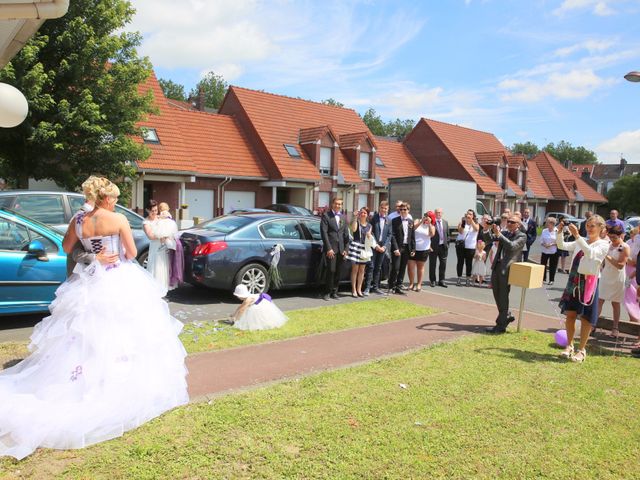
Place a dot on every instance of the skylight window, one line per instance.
(479, 170)
(379, 162)
(150, 135)
(292, 151)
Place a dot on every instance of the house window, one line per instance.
(500, 179)
(379, 162)
(362, 200)
(520, 178)
(292, 151)
(150, 135)
(365, 172)
(323, 199)
(325, 161)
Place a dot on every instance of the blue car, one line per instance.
(236, 248)
(32, 264)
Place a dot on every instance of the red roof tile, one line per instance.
(398, 160)
(515, 188)
(491, 158)
(278, 119)
(536, 183)
(196, 142)
(310, 135)
(555, 175)
(463, 143)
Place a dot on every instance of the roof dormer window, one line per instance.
(325, 161)
(365, 170)
(500, 177)
(292, 150)
(521, 178)
(149, 135)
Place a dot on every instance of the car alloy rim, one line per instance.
(255, 280)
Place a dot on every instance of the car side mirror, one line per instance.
(36, 249)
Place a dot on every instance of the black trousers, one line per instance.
(439, 253)
(399, 267)
(332, 272)
(552, 260)
(501, 288)
(465, 257)
(459, 258)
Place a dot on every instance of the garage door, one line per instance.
(200, 203)
(238, 200)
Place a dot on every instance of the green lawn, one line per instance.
(212, 335)
(480, 407)
(202, 336)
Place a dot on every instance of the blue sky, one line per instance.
(538, 70)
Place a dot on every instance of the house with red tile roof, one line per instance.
(569, 193)
(313, 151)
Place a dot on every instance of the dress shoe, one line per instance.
(442, 284)
(511, 319)
(377, 291)
(365, 293)
(335, 296)
(402, 287)
(495, 330)
(326, 297)
(432, 284)
(398, 291)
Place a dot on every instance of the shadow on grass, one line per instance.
(522, 355)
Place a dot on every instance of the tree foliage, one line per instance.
(528, 148)
(564, 152)
(394, 128)
(80, 75)
(624, 195)
(333, 102)
(172, 90)
(214, 88)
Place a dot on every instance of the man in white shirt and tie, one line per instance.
(381, 229)
(335, 245)
(439, 250)
(403, 246)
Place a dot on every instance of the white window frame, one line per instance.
(325, 161)
(365, 161)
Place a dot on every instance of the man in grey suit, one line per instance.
(439, 250)
(512, 241)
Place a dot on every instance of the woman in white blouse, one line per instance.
(549, 249)
(588, 255)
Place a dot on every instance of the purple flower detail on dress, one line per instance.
(76, 373)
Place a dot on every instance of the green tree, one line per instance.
(528, 148)
(399, 128)
(172, 90)
(214, 88)
(624, 195)
(374, 122)
(80, 75)
(565, 152)
(333, 102)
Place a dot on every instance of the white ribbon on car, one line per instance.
(274, 274)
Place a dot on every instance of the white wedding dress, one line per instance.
(106, 360)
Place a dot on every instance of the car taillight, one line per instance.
(209, 247)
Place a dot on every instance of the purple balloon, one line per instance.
(561, 338)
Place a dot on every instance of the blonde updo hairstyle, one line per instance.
(101, 188)
(87, 188)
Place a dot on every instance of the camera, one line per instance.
(494, 221)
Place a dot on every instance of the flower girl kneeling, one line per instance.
(257, 312)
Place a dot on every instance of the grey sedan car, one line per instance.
(236, 248)
(56, 209)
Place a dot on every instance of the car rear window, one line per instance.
(47, 209)
(226, 224)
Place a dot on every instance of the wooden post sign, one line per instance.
(525, 275)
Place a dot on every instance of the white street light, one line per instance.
(633, 76)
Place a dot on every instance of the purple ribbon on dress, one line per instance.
(262, 296)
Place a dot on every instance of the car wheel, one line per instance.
(254, 276)
(143, 258)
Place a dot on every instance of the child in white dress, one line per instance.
(257, 312)
(479, 267)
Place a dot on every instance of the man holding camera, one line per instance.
(511, 243)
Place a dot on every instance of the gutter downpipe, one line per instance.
(221, 186)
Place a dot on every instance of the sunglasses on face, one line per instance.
(403, 209)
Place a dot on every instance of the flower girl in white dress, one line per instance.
(106, 360)
(257, 312)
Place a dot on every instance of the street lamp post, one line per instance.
(633, 76)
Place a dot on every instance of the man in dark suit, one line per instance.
(403, 246)
(531, 229)
(439, 250)
(381, 230)
(583, 226)
(511, 242)
(335, 243)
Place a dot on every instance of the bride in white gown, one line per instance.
(106, 360)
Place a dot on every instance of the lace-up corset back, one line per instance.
(110, 243)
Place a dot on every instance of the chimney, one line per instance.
(623, 164)
(200, 100)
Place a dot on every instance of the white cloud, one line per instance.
(626, 144)
(597, 7)
(591, 46)
(569, 85)
(228, 71)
